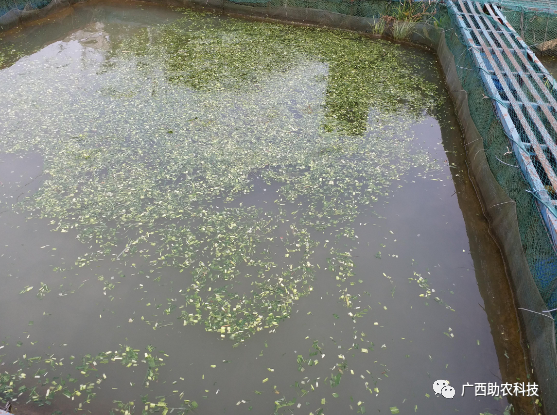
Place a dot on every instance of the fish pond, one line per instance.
(200, 214)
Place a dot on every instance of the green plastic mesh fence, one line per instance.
(533, 5)
(538, 28)
(7, 5)
(535, 239)
(534, 20)
(536, 244)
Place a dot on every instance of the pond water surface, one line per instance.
(205, 214)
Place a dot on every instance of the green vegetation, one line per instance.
(157, 160)
(146, 186)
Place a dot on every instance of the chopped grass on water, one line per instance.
(153, 158)
(223, 150)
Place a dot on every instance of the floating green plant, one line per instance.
(156, 159)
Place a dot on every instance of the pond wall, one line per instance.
(482, 134)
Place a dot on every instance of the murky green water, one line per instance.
(207, 214)
(550, 64)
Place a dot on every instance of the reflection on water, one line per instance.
(229, 216)
(92, 36)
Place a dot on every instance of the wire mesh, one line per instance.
(536, 242)
(7, 5)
